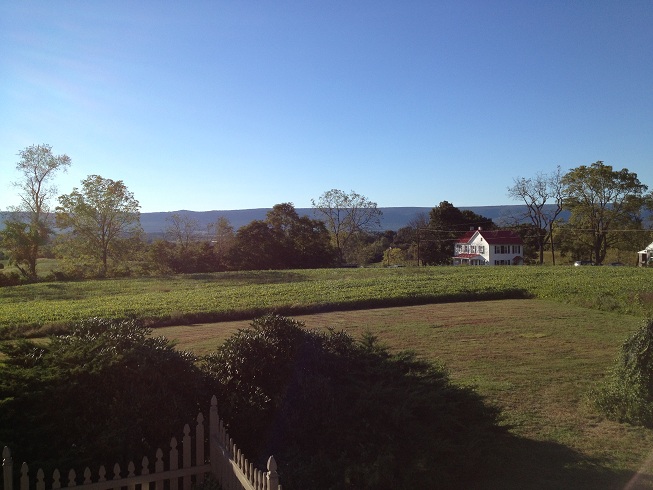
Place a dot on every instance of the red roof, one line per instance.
(467, 256)
(494, 237)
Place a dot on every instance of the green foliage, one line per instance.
(340, 413)
(284, 240)
(9, 278)
(446, 224)
(101, 223)
(105, 393)
(627, 395)
(24, 240)
(393, 256)
(29, 226)
(346, 217)
(198, 257)
(601, 201)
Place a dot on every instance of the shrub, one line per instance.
(106, 393)
(341, 413)
(10, 279)
(627, 394)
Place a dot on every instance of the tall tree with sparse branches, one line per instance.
(29, 225)
(346, 215)
(542, 196)
(183, 229)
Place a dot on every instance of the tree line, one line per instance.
(95, 231)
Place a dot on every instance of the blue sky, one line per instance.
(207, 105)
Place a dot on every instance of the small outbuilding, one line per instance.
(645, 257)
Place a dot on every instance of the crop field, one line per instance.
(35, 309)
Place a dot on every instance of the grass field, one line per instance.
(536, 359)
(535, 345)
(36, 308)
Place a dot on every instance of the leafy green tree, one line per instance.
(346, 216)
(531, 235)
(602, 200)
(407, 237)
(256, 247)
(393, 256)
(29, 225)
(283, 240)
(374, 419)
(107, 392)
(309, 244)
(100, 222)
(167, 257)
(446, 224)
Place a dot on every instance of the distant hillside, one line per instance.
(155, 224)
(392, 219)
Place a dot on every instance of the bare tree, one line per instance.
(183, 230)
(29, 224)
(224, 237)
(542, 196)
(345, 215)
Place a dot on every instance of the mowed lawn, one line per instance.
(536, 359)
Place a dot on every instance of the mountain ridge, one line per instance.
(392, 218)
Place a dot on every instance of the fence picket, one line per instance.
(56, 479)
(40, 480)
(24, 477)
(186, 455)
(158, 468)
(130, 474)
(72, 479)
(174, 462)
(199, 445)
(7, 467)
(227, 463)
(145, 470)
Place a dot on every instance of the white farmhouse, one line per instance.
(645, 257)
(492, 247)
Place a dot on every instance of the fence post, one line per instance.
(7, 468)
(186, 453)
(199, 445)
(174, 463)
(213, 437)
(272, 476)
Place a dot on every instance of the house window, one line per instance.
(481, 249)
(472, 249)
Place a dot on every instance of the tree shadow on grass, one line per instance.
(529, 464)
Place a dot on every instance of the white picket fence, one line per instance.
(226, 463)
